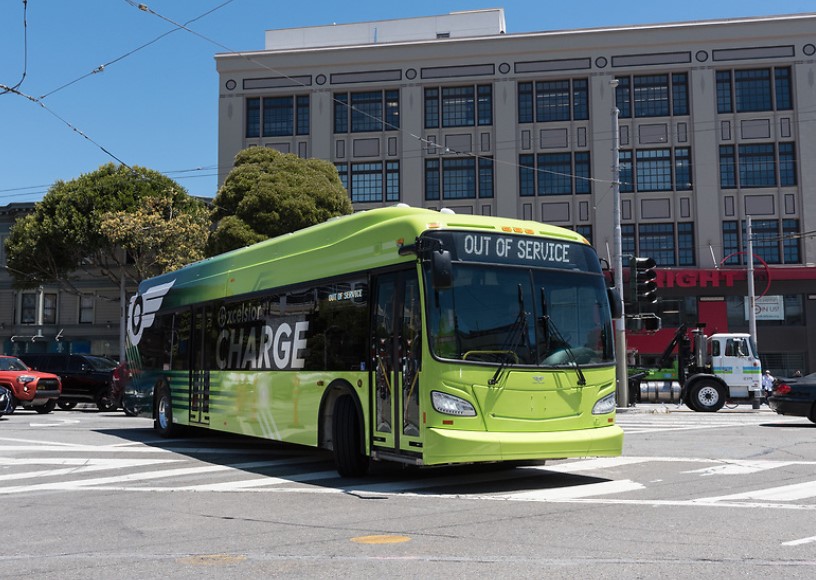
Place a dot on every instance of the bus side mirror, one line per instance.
(615, 303)
(441, 269)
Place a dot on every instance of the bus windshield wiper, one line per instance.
(515, 337)
(551, 328)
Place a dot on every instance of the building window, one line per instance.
(653, 170)
(253, 117)
(29, 302)
(466, 106)
(623, 97)
(756, 165)
(775, 241)
(628, 239)
(652, 95)
(86, 309)
(527, 175)
(28, 308)
(457, 178)
(787, 164)
(625, 175)
(662, 169)
(728, 167)
(764, 89)
(559, 100)
(554, 174)
(725, 100)
(283, 116)
(366, 112)
(657, 242)
(485, 177)
(302, 106)
(685, 244)
(432, 180)
(585, 231)
(371, 182)
(669, 244)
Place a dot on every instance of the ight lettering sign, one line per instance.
(696, 278)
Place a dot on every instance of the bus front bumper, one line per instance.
(455, 446)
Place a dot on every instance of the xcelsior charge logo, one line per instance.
(142, 310)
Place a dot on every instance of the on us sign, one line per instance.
(767, 308)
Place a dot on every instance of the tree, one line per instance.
(157, 237)
(269, 193)
(64, 234)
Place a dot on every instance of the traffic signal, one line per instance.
(642, 279)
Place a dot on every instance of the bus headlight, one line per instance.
(450, 405)
(605, 405)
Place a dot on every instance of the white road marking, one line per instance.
(741, 467)
(576, 491)
(794, 492)
(801, 541)
(76, 466)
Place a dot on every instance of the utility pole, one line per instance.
(751, 291)
(622, 388)
(755, 401)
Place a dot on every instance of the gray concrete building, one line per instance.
(716, 121)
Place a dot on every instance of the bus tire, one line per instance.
(163, 417)
(707, 396)
(347, 437)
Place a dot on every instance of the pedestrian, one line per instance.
(767, 384)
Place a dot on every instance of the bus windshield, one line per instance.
(521, 316)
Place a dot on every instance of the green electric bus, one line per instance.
(401, 334)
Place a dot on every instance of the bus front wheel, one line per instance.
(163, 419)
(347, 439)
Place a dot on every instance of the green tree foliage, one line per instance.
(269, 193)
(158, 236)
(64, 235)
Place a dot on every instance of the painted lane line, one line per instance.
(810, 540)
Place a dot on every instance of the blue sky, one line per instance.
(157, 106)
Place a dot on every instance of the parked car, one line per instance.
(84, 377)
(6, 400)
(29, 389)
(795, 396)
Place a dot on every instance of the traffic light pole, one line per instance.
(622, 387)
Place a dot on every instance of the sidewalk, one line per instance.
(674, 408)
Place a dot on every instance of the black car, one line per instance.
(795, 396)
(84, 377)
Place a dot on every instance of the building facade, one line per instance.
(50, 319)
(715, 122)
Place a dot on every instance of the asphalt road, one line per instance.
(97, 495)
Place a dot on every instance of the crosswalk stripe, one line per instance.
(793, 492)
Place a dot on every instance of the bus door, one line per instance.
(396, 347)
(199, 370)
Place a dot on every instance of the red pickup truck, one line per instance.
(29, 389)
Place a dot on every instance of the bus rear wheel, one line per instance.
(347, 439)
